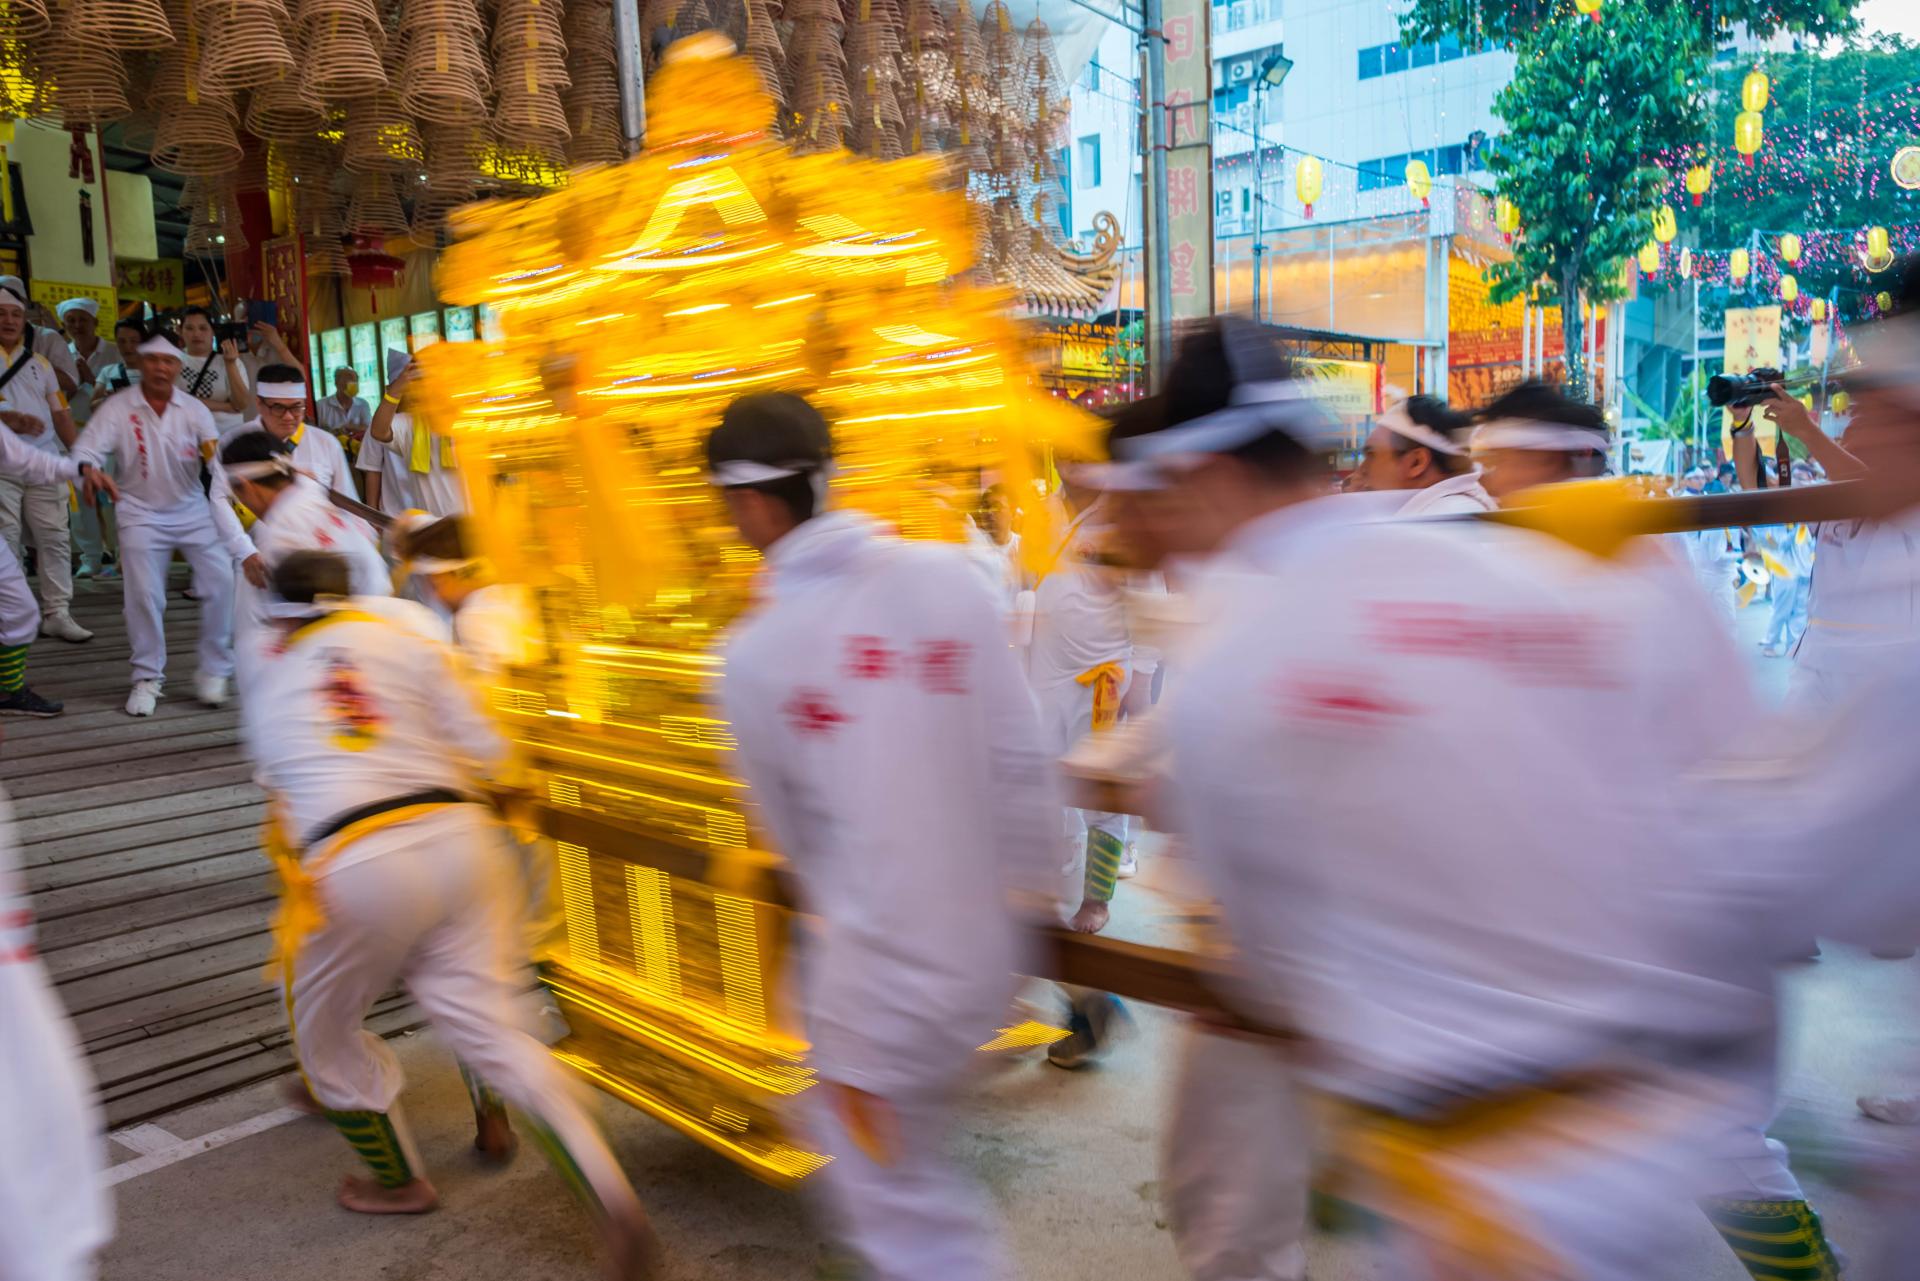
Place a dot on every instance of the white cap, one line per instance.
(13, 292)
(159, 345)
(88, 305)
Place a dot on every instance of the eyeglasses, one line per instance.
(284, 409)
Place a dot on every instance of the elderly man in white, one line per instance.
(31, 394)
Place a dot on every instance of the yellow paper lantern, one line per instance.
(1665, 225)
(1819, 309)
(1879, 249)
(1650, 258)
(1589, 7)
(1739, 264)
(1840, 402)
(1506, 217)
(1883, 300)
(1789, 288)
(1699, 178)
(1419, 181)
(1749, 131)
(1686, 264)
(1309, 179)
(1790, 248)
(1753, 90)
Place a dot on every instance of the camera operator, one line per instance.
(216, 378)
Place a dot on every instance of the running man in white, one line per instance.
(373, 753)
(1421, 446)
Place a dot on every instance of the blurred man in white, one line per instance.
(373, 752)
(292, 513)
(895, 760)
(405, 463)
(32, 403)
(161, 438)
(1498, 967)
(1421, 445)
(1516, 451)
(55, 1214)
(114, 368)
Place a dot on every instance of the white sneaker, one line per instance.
(144, 697)
(63, 626)
(1129, 864)
(211, 690)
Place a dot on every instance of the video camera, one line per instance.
(1740, 390)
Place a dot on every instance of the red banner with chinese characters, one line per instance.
(283, 280)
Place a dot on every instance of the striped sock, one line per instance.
(1775, 1240)
(374, 1136)
(1104, 852)
(13, 668)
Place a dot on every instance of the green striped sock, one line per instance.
(1775, 1240)
(1104, 852)
(373, 1136)
(13, 668)
(563, 1161)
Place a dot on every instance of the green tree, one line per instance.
(1589, 107)
(1494, 22)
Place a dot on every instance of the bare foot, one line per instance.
(493, 1136)
(364, 1196)
(628, 1248)
(1090, 919)
(295, 1094)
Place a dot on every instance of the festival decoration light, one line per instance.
(1309, 179)
(1818, 310)
(1905, 168)
(1739, 264)
(1699, 179)
(1883, 300)
(1589, 7)
(1419, 181)
(1749, 131)
(1506, 216)
(1686, 263)
(1879, 249)
(1790, 248)
(1650, 258)
(1789, 288)
(1753, 90)
(1665, 225)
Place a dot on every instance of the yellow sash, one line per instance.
(1106, 680)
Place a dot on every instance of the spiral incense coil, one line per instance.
(454, 153)
(374, 210)
(247, 43)
(280, 111)
(444, 76)
(308, 12)
(317, 216)
(25, 19)
(818, 104)
(197, 141)
(380, 136)
(124, 25)
(213, 217)
(89, 85)
(341, 58)
(442, 15)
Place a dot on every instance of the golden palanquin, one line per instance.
(634, 305)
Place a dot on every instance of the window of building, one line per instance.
(1385, 59)
(1393, 57)
(1090, 78)
(1086, 170)
(1370, 62)
(1450, 48)
(1425, 55)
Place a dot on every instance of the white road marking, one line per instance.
(144, 1139)
(182, 1149)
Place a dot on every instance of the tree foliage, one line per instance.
(1589, 107)
(1509, 22)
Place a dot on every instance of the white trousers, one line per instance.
(54, 1210)
(431, 902)
(1237, 1164)
(19, 615)
(918, 1219)
(147, 545)
(1787, 612)
(1066, 716)
(42, 510)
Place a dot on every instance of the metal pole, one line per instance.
(631, 68)
(1699, 383)
(1160, 313)
(1259, 199)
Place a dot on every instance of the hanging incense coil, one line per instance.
(318, 217)
(197, 141)
(89, 84)
(380, 136)
(873, 47)
(762, 44)
(247, 43)
(454, 155)
(125, 25)
(444, 75)
(817, 100)
(529, 71)
(340, 58)
(282, 112)
(374, 210)
(213, 218)
(25, 19)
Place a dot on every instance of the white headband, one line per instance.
(14, 286)
(294, 609)
(1256, 409)
(1529, 433)
(281, 391)
(158, 346)
(740, 471)
(260, 469)
(88, 305)
(1400, 423)
(435, 565)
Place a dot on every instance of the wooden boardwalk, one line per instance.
(140, 840)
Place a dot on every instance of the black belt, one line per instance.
(341, 822)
